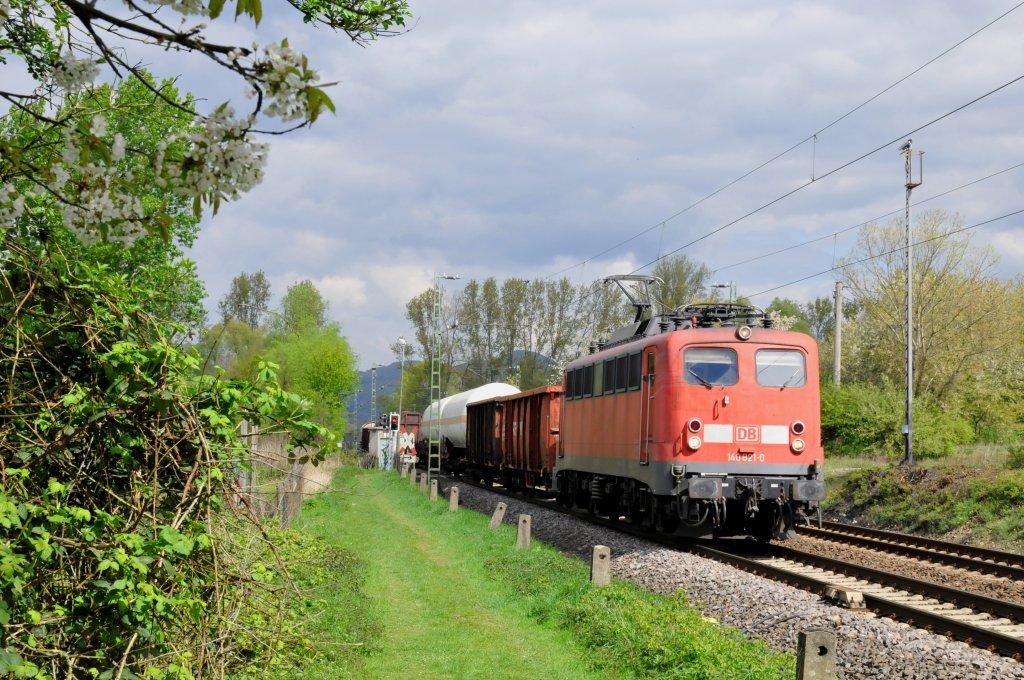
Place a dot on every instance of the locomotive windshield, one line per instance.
(710, 366)
(781, 368)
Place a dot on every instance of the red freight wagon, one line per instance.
(515, 438)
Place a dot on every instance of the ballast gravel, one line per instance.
(868, 646)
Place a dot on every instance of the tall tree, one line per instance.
(142, 120)
(683, 281)
(247, 299)
(958, 304)
(303, 308)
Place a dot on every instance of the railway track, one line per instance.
(971, 558)
(981, 621)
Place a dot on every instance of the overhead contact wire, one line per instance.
(888, 252)
(831, 172)
(812, 136)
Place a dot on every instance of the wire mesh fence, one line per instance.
(273, 485)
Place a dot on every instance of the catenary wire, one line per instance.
(888, 252)
(812, 136)
(830, 172)
(861, 224)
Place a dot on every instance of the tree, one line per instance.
(233, 347)
(683, 281)
(247, 299)
(142, 120)
(64, 45)
(302, 309)
(789, 315)
(959, 305)
(318, 364)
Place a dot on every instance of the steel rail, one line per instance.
(961, 560)
(992, 640)
(976, 552)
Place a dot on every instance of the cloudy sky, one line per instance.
(529, 138)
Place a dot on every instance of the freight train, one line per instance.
(701, 422)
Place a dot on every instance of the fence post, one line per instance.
(523, 538)
(433, 489)
(601, 566)
(816, 655)
(453, 499)
(498, 516)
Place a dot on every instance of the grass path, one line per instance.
(441, 615)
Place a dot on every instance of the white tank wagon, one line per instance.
(452, 420)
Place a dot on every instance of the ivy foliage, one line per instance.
(118, 458)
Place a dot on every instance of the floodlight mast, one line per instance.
(434, 427)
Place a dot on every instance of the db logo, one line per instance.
(747, 433)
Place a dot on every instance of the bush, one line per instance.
(1015, 456)
(117, 464)
(862, 419)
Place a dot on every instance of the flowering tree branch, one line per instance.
(65, 46)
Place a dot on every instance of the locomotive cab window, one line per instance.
(609, 376)
(781, 368)
(621, 373)
(588, 380)
(570, 383)
(634, 371)
(710, 366)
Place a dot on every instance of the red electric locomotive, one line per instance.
(702, 422)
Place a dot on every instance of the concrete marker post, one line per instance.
(523, 538)
(412, 477)
(453, 499)
(816, 655)
(499, 516)
(433, 489)
(404, 471)
(601, 566)
(423, 483)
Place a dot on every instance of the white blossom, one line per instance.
(73, 74)
(99, 126)
(220, 159)
(12, 205)
(184, 6)
(284, 75)
(117, 148)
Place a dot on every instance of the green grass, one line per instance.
(439, 595)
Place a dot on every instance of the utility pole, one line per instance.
(401, 382)
(731, 285)
(908, 153)
(837, 345)
(373, 394)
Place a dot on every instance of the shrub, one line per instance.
(1015, 456)
(862, 419)
(119, 554)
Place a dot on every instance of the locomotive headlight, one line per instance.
(694, 425)
(798, 428)
(797, 445)
(743, 332)
(694, 442)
